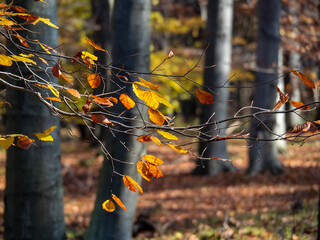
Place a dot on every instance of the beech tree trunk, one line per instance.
(131, 42)
(263, 155)
(34, 192)
(219, 36)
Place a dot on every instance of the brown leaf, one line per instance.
(283, 98)
(19, 9)
(87, 106)
(56, 71)
(22, 40)
(204, 97)
(77, 57)
(100, 118)
(298, 105)
(171, 54)
(95, 45)
(305, 127)
(25, 142)
(94, 80)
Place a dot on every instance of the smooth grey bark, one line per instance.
(131, 36)
(34, 192)
(219, 36)
(263, 155)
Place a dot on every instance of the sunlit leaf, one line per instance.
(177, 148)
(65, 78)
(304, 79)
(19, 9)
(167, 135)
(156, 140)
(317, 122)
(2, 5)
(108, 205)
(44, 48)
(156, 116)
(102, 101)
(45, 136)
(152, 159)
(87, 54)
(22, 40)
(204, 97)
(5, 61)
(298, 105)
(118, 201)
(53, 90)
(147, 96)
(144, 138)
(45, 21)
(95, 45)
(87, 106)
(6, 142)
(55, 99)
(94, 80)
(294, 72)
(144, 171)
(126, 101)
(154, 170)
(100, 118)
(131, 184)
(147, 84)
(162, 100)
(6, 22)
(283, 98)
(74, 92)
(21, 59)
(25, 142)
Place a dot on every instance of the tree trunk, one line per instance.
(219, 36)
(131, 36)
(264, 155)
(34, 192)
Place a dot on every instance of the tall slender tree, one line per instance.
(264, 155)
(219, 36)
(130, 48)
(34, 192)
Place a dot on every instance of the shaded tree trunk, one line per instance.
(131, 35)
(34, 193)
(263, 156)
(219, 36)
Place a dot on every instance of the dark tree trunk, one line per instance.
(34, 193)
(263, 156)
(219, 35)
(131, 36)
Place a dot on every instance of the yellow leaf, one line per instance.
(156, 116)
(21, 59)
(126, 101)
(5, 61)
(204, 97)
(91, 56)
(162, 100)
(53, 90)
(167, 135)
(177, 148)
(154, 170)
(45, 136)
(156, 140)
(6, 142)
(45, 21)
(94, 80)
(152, 159)
(147, 96)
(143, 170)
(118, 201)
(108, 205)
(95, 45)
(147, 84)
(44, 48)
(6, 22)
(131, 184)
(74, 92)
(53, 99)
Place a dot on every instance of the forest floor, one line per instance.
(183, 206)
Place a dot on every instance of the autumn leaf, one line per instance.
(177, 148)
(118, 201)
(6, 22)
(19, 9)
(108, 205)
(126, 101)
(6, 142)
(304, 79)
(53, 90)
(89, 55)
(144, 138)
(100, 118)
(152, 159)
(167, 135)
(204, 97)
(147, 84)
(77, 57)
(170, 55)
(5, 61)
(156, 116)
(94, 80)
(144, 171)
(44, 48)
(21, 59)
(25, 142)
(317, 122)
(87, 106)
(298, 105)
(154, 170)
(156, 140)
(22, 40)
(131, 184)
(95, 45)
(45, 21)
(55, 99)
(305, 127)
(283, 98)
(56, 71)
(74, 92)
(45, 136)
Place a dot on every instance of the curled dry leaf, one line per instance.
(108, 205)
(87, 106)
(56, 71)
(305, 127)
(304, 79)
(95, 45)
(156, 116)
(171, 54)
(94, 80)
(204, 97)
(102, 101)
(118, 201)
(77, 57)
(100, 118)
(126, 101)
(131, 184)
(144, 138)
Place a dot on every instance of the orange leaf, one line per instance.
(103, 101)
(118, 201)
(131, 184)
(19, 9)
(156, 140)
(53, 99)
(25, 142)
(298, 105)
(144, 138)
(304, 79)
(65, 78)
(177, 148)
(56, 71)
(144, 171)
(126, 101)
(22, 40)
(87, 106)
(283, 98)
(74, 92)
(100, 118)
(94, 80)
(95, 45)
(154, 170)
(108, 205)
(204, 97)
(317, 122)
(152, 159)
(156, 116)
(294, 72)
(278, 105)
(112, 99)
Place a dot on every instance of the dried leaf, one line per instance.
(102, 101)
(144, 171)
(204, 97)
(294, 72)
(77, 57)
(152, 159)
(87, 106)
(171, 54)
(144, 138)
(6, 142)
(94, 80)
(22, 40)
(131, 184)
(44, 48)
(126, 101)
(100, 118)
(108, 205)
(45, 136)
(167, 135)
(56, 70)
(178, 149)
(317, 122)
(305, 127)
(298, 105)
(304, 79)
(5, 60)
(53, 90)
(74, 92)
(283, 98)
(25, 142)
(156, 116)
(95, 45)
(156, 140)
(118, 201)
(65, 78)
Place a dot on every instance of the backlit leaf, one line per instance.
(283, 98)
(144, 138)
(95, 45)
(294, 72)
(177, 148)
(204, 97)
(152, 159)
(45, 136)
(147, 96)
(65, 78)
(22, 40)
(74, 92)
(131, 184)
(156, 140)
(94, 80)
(55, 99)
(53, 90)
(108, 205)
(147, 84)
(154, 170)
(156, 116)
(5, 61)
(25, 142)
(100, 118)
(19, 9)
(21, 59)
(87, 106)
(44, 48)
(304, 79)
(45, 21)
(144, 171)
(6, 142)
(118, 201)
(87, 54)
(126, 101)
(6, 22)
(102, 101)
(167, 135)
(317, 122)
(298, 105)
